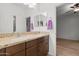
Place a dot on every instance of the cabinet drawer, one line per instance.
(40, 40)
(14, 49)
(43, 39)
(31, 43)
(43, 49)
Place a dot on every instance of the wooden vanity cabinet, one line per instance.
(43, 46)
(14, 50)
(2, 52)
(31, 48)
(20, 53)
(32, 51)
(36, 47)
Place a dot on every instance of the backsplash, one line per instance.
(4, 35)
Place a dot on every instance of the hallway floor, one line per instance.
(67, 47)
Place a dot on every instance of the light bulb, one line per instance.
(76, 9)
(31, 5)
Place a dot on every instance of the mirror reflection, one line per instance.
(18, 18)
(40, 20)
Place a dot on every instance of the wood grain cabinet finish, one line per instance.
(32, 51)
(43, 46)
(15, 49)
(20, 53)
(39, 47)
(31, 48)
(2, 52)
(36, 47)
(42, 49)
(31, 43)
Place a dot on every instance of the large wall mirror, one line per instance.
(40, 20)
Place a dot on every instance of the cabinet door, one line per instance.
(15, 49)
(46, 39)
(2, 52)
(42, 49)
(46, 44)
(31, 48)
(43, 46)
(32, 51)
(20, 53)
(31, 43)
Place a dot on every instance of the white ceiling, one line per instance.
(64, 8)
(58, 4)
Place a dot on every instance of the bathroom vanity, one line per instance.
(29, 45)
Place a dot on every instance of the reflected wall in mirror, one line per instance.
(41, 23)
(40, 20)
(12, 17)
(36, 20)
(28, 24)
(14, 23)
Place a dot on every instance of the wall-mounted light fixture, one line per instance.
(30, 5)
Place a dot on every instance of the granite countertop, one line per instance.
(10, 41)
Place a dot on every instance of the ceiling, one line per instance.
(55, 4)
(58, 4)
(64, 8)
